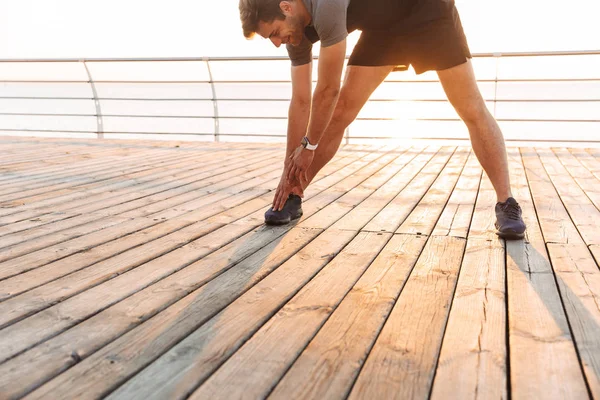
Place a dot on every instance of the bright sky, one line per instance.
(194, 28)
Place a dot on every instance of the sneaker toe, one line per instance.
(277, 217)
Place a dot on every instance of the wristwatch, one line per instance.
(306, 144)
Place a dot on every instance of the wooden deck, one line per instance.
(137, 270)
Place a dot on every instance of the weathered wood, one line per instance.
(179, 190)
(258, 365)
(380, 171)
(329, 365)
(540, 342)
(309, 209)
(425, 215)
(411, 163)
(587, 160)
(403, 359)
(473, 358)
(41, 242)
(206, 347)
(98, 199)
(578, 280)
(584, 178)
(584, 214)
(596, 252)
(116, 287)
(187, 293)
(554, 219)
(390, 218)
(456, 218)
(48, 358)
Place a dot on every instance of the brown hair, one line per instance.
(254, 11)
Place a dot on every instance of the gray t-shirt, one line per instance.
(328, 25)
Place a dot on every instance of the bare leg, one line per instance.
(359, 84)
(486, 138)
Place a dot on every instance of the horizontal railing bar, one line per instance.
(105, 132)
(287, 100)
(283, 58)
(280, 118)
(524, 80)
(111, 115)
(467, 138)
(284, 136)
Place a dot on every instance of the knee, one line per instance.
(345, 111)
(473, 112)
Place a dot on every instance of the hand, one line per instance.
(300, 161)
(285, 188)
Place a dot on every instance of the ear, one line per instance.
(286, 7)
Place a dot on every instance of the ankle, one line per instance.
(504, 197)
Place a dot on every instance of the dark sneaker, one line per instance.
(291, 210)
(509, 220)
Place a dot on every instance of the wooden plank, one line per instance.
(390, 218)
(402, 361)
(133, 177)
(58, 186)
(97, 199)
(540, 343)
(582, 211)
(473, 358)
(19, 249)
(80, 196)
(335, 188)
(425, 215)
(553, 217)
(167, 330)
(410, 164)
(596, 252)
(584, 178)
(211, 194)
(587, 160)
(79, 173)
(328, 366)
(54, 270)
(380, 172)
(38, 327)
(484, 218)
(578, 279)
(264, 358)
(66, 165)
(207, 346)
(47, 360)
(50, 358)
(456, 217)
(172, 193)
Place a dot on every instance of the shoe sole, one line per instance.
(511, 235)
(279, 223)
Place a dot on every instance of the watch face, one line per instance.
(304, 142)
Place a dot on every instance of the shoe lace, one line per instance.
(513, 211)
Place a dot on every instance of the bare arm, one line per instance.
(299, 111)
(331, 63)
(298, 116)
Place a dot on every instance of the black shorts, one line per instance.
(429, 45)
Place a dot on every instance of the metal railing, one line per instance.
(212, 102)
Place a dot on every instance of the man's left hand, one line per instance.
(300, 161)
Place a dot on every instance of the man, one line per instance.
(426, 34)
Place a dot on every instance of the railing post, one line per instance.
(99, 121)
(214, 98)
(348, 135)
(497, 56)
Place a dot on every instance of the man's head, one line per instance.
(280, 21)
